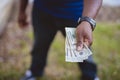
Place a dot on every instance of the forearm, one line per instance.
(91, 8)
(23, 5)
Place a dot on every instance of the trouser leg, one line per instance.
(44, 34)
(40, 50)
(88, 69)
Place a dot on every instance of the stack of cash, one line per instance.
(72, 55)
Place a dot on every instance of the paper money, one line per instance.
(72, 55)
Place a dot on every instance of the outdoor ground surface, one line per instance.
(106, 52)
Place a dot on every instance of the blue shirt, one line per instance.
(69, 9)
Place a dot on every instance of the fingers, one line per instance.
(88, 42)
(79, 44)
(81, 40)
(83, 36)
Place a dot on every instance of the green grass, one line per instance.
(106, 52)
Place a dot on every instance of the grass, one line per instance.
(106, 50)
(106, 54)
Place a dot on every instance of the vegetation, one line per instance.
(106, 53)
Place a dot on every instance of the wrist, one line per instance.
(89, 20)
(85, 24)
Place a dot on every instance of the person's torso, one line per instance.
(70, 9)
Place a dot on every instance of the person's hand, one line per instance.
(83, 34)
(22, 20)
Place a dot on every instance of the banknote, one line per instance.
(71, 54)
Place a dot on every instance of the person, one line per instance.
(49, 16)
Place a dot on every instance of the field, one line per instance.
(15, 58)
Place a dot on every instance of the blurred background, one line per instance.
(16, 43)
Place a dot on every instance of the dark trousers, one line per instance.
(45, 27)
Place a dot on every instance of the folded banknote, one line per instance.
(72, 55)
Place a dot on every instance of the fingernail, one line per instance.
(79, 48)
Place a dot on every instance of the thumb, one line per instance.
(79, 45)
(86, 42)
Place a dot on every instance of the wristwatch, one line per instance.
(89, 20)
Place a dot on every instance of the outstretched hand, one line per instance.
(84, 35)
